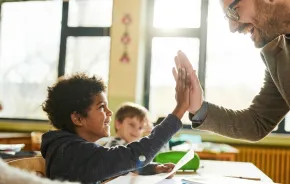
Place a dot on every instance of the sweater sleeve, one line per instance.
(267, 110)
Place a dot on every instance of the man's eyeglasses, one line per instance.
(231, 12)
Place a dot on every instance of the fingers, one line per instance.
(183, 79)
(182, 83)
(170, 166)
(179, 82)
(177, 62)
(194, 81)
(183, 61)
(175, 75)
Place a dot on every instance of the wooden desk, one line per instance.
(217, 156)
(16, 138)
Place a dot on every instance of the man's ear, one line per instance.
(76, 119)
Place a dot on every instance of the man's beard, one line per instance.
(264, 37)
(268, 22)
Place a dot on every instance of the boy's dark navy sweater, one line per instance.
(69, 157)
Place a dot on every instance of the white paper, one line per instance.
(152, 179)
(11, 147)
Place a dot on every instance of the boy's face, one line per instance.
(131, 129)
(97, 123)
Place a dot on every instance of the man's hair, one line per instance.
(70, 95)
(131, 110)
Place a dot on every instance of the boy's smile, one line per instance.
(96, 124)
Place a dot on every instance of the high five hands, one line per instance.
(195, 92)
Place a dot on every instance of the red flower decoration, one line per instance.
(125, 58)
(126, 19)
(125, 39)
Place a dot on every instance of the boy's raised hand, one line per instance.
(182, 93)
(196, 92)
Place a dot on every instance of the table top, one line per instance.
(244, 170)
(5, 135)
(235, 169)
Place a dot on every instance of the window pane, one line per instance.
(177, 13)
(162, 84)
(90, 13)
(30, 34)
(88, 54)
(287, 123)
(235, 71)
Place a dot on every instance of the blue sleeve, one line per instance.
(198, 118)
(148, 169)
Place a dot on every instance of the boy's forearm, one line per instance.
(178, 112)
(148, 169)
(147, 148)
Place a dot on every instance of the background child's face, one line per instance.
(131, 129)
(97, 123)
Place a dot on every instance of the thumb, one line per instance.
(175, 74)
(195, 79)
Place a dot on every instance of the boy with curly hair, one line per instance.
(77, 106)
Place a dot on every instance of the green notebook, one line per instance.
(175, 156)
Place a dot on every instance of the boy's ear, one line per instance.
(76, 119)
(117, 124)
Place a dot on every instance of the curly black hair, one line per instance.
(69, 95)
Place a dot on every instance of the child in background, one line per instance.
(77, 106)
(131, 124)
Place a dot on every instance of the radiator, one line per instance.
(274, 162)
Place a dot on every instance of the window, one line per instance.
(162, 87)
(90, 13)
(41, 40)
(30, 33)
(175, 25)
(88, 54)
(177, 14)
(221, 63)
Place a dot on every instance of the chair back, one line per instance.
(33, 164)
(36, 140)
